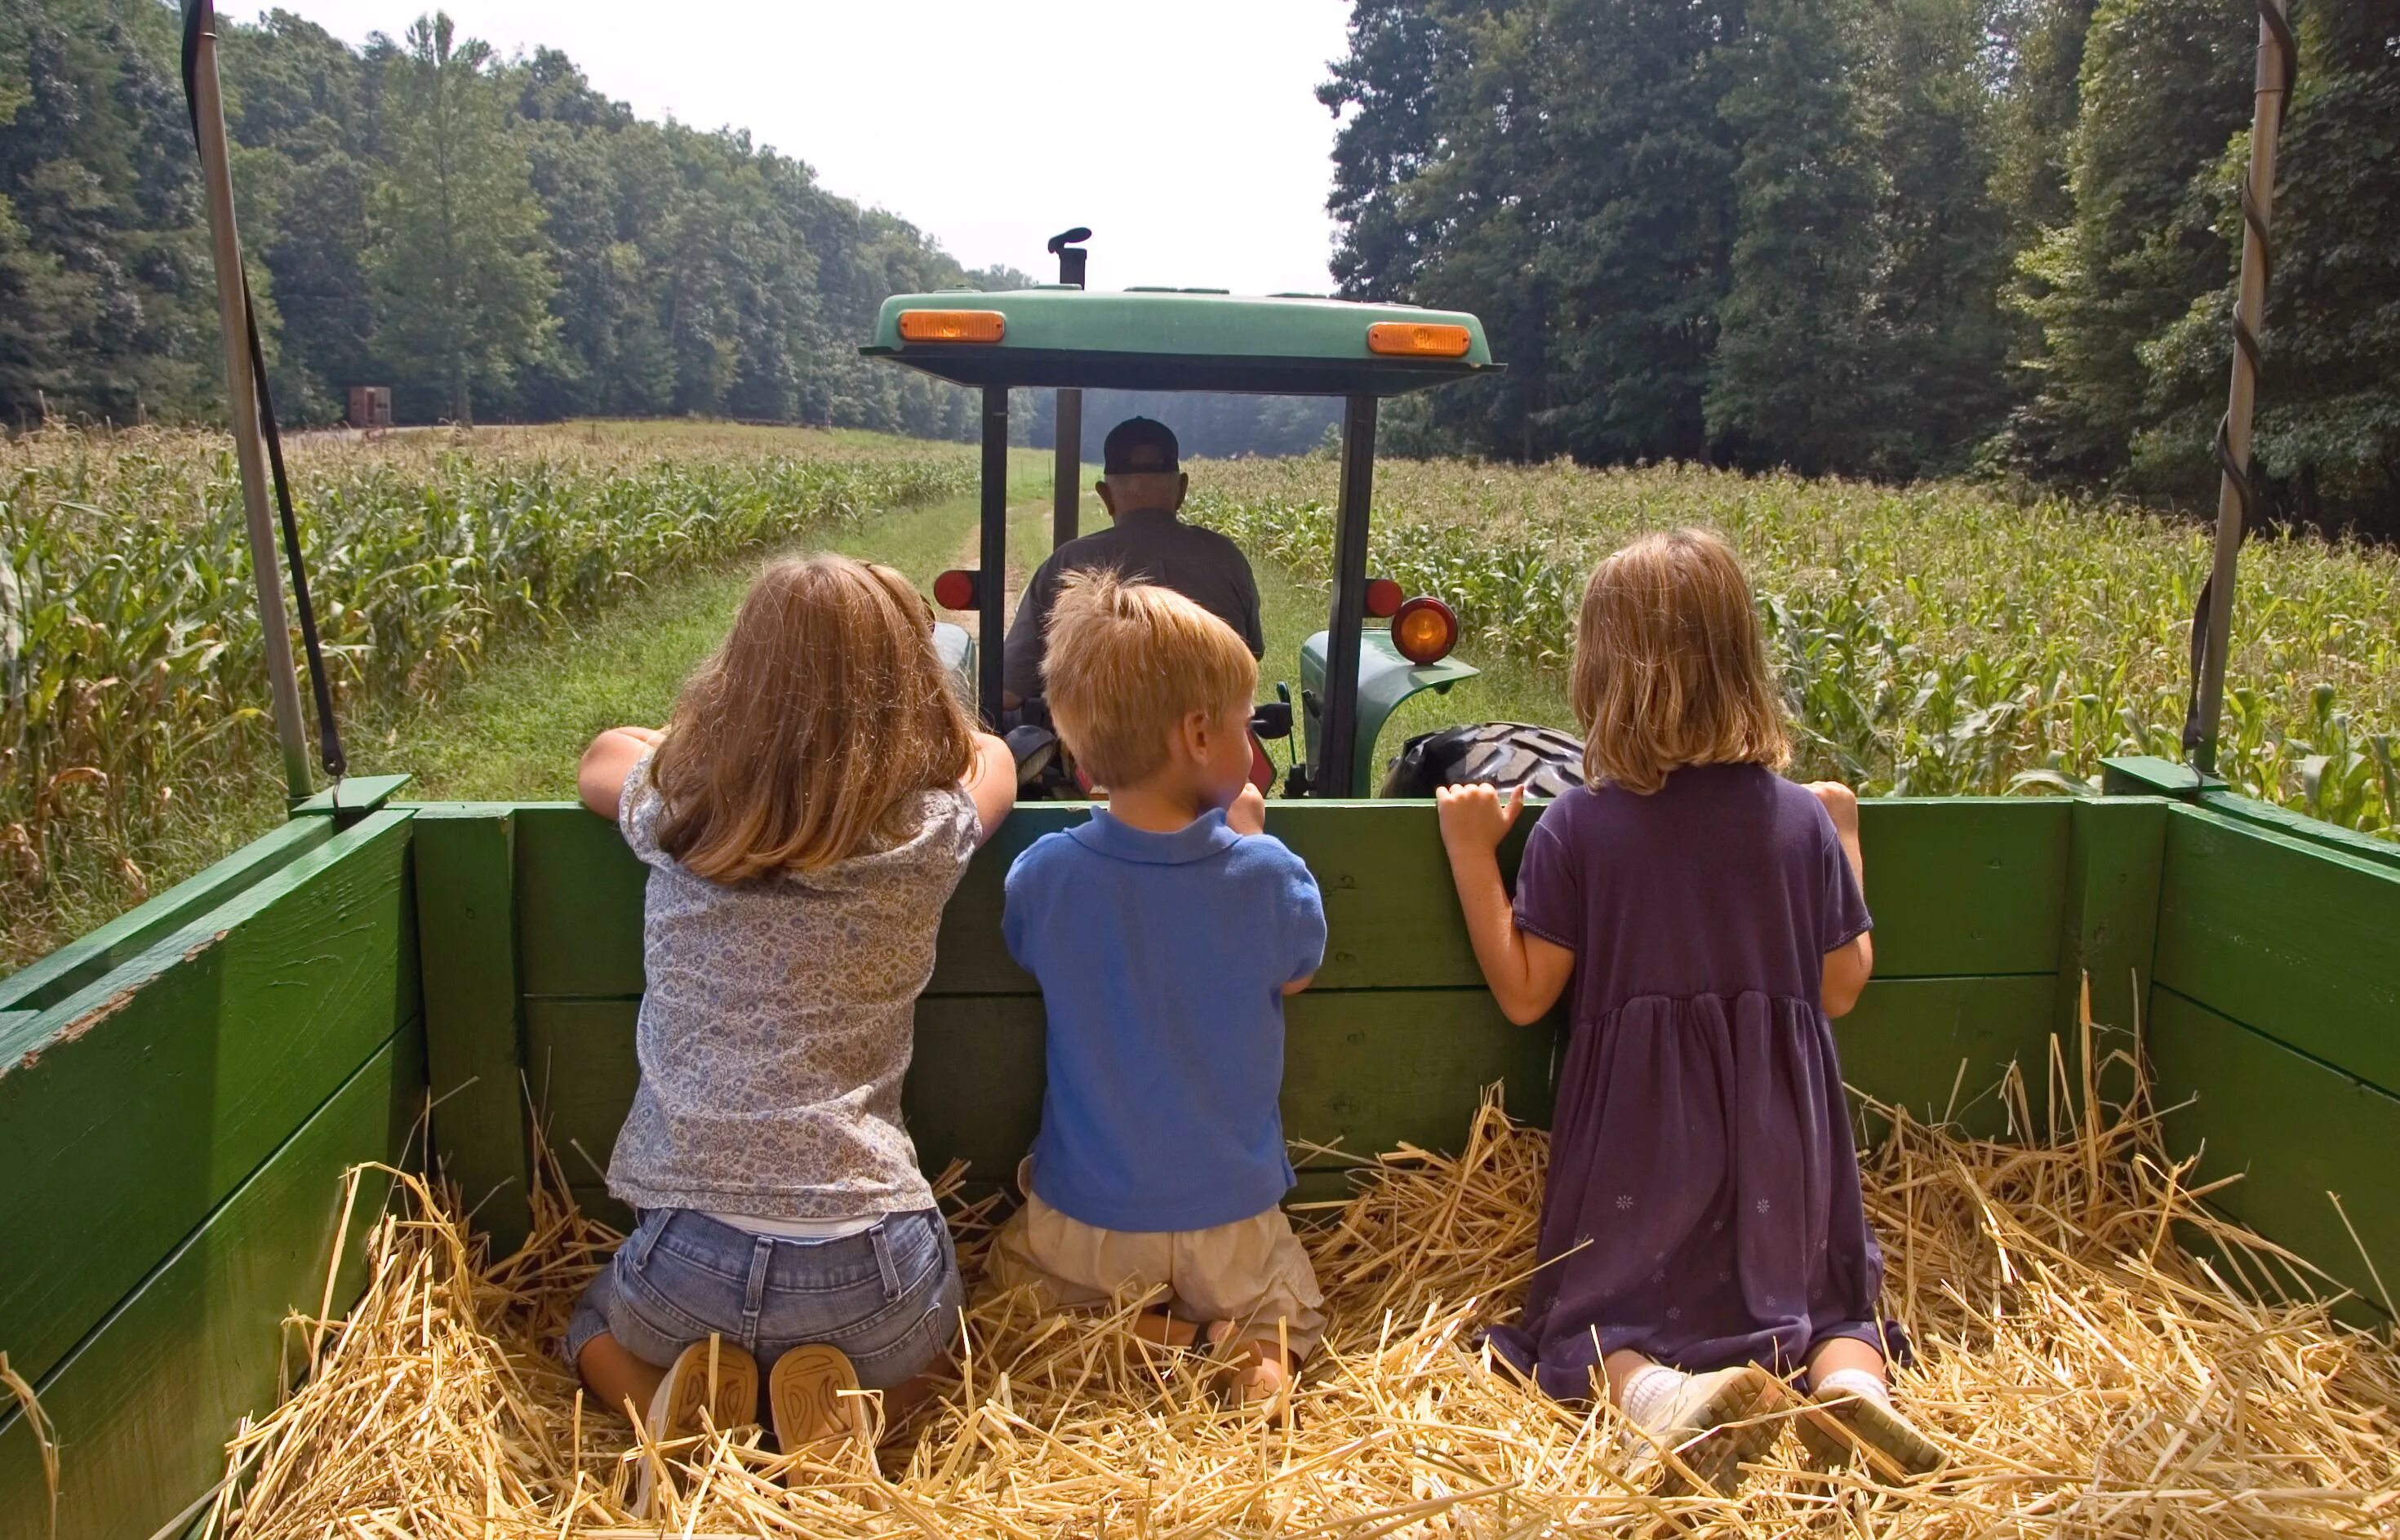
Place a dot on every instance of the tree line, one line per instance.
(491, 238)
(1884, 238)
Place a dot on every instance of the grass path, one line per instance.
(514, 732)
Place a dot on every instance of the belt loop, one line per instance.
(753, 1298)
(879, 1234)
(646, 1233)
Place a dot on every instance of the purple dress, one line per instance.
(1703, 1203)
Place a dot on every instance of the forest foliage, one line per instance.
(490, 237)
(1885, 237)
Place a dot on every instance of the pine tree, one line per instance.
(460, 270)
(1794, 381)
(1941, 338)
(2165, 85)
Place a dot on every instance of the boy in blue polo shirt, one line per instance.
(1164, 933)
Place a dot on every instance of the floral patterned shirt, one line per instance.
(777, 1022)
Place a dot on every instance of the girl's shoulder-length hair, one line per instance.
(1670, 665)
(813, 732)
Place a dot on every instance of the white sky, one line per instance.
(1192, 143)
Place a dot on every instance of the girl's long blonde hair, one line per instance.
(811, 732)
(1670, 665)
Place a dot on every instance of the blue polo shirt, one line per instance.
(1161, 959)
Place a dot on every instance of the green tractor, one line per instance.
(1354, 674)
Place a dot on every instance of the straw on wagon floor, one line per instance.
(2086, 1376)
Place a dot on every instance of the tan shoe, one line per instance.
(1837, 1427)
(1717, 1423)
(813, 1395)
(709, 1386)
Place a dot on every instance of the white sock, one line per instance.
(1650, 1394)
(1852, 1381)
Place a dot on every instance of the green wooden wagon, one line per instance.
(182, 1090)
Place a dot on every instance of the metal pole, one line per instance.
(991, 582)
(1067, 470)
(241, 399)
(1332, 776)
(2235, 494)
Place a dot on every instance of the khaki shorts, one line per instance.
(1251, 1271)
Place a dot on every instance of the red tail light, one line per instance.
(1425, 631)
(1383, 598)
(955, 589)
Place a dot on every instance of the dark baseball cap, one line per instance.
(1139, 446)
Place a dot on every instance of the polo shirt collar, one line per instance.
(1194, 841)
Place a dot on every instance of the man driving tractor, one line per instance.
(1142, 486)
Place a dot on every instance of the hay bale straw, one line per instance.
(2087, 1376)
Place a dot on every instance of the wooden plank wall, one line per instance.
(1977, 940)
(174, 1133)
(2274, 1033)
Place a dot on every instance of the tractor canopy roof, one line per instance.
(1178, 339)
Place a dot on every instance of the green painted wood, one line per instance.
(1939, 1046)
(579, 904)
(2109, 936)
(2293, 1128)
(2289, 937)
(2147, 776)
(579, 1060)
(355, 797)
(52, 978)
(2333, 837)
(1363, 1070)
(129, 1110)
(466, 918)
(1959, 885)
(144, 1406)
(1964, 885)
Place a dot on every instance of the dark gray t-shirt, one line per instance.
(1156, 546)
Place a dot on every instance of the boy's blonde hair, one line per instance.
(811, 732)
(1669, 666)
(1125, 662)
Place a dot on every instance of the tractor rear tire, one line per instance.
(1507, 754)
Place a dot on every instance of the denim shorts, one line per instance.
(888, 1297)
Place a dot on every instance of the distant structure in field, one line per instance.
(370, 407)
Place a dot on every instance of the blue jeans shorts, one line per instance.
(888, 1297)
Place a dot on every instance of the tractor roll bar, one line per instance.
(1332, 776)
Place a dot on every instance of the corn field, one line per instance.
(1936, 640)
(133, 704)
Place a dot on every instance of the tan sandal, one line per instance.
(709, 1387)
(813, 1395)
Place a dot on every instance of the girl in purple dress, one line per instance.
(1702, 1235)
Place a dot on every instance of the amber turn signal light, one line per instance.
(1423, 630)
(955, 589)
(1383, 598)
(1415, 339)
(953, 326)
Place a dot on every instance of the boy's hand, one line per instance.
(1841, 803)
(1473, 818)
(1249, 814)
